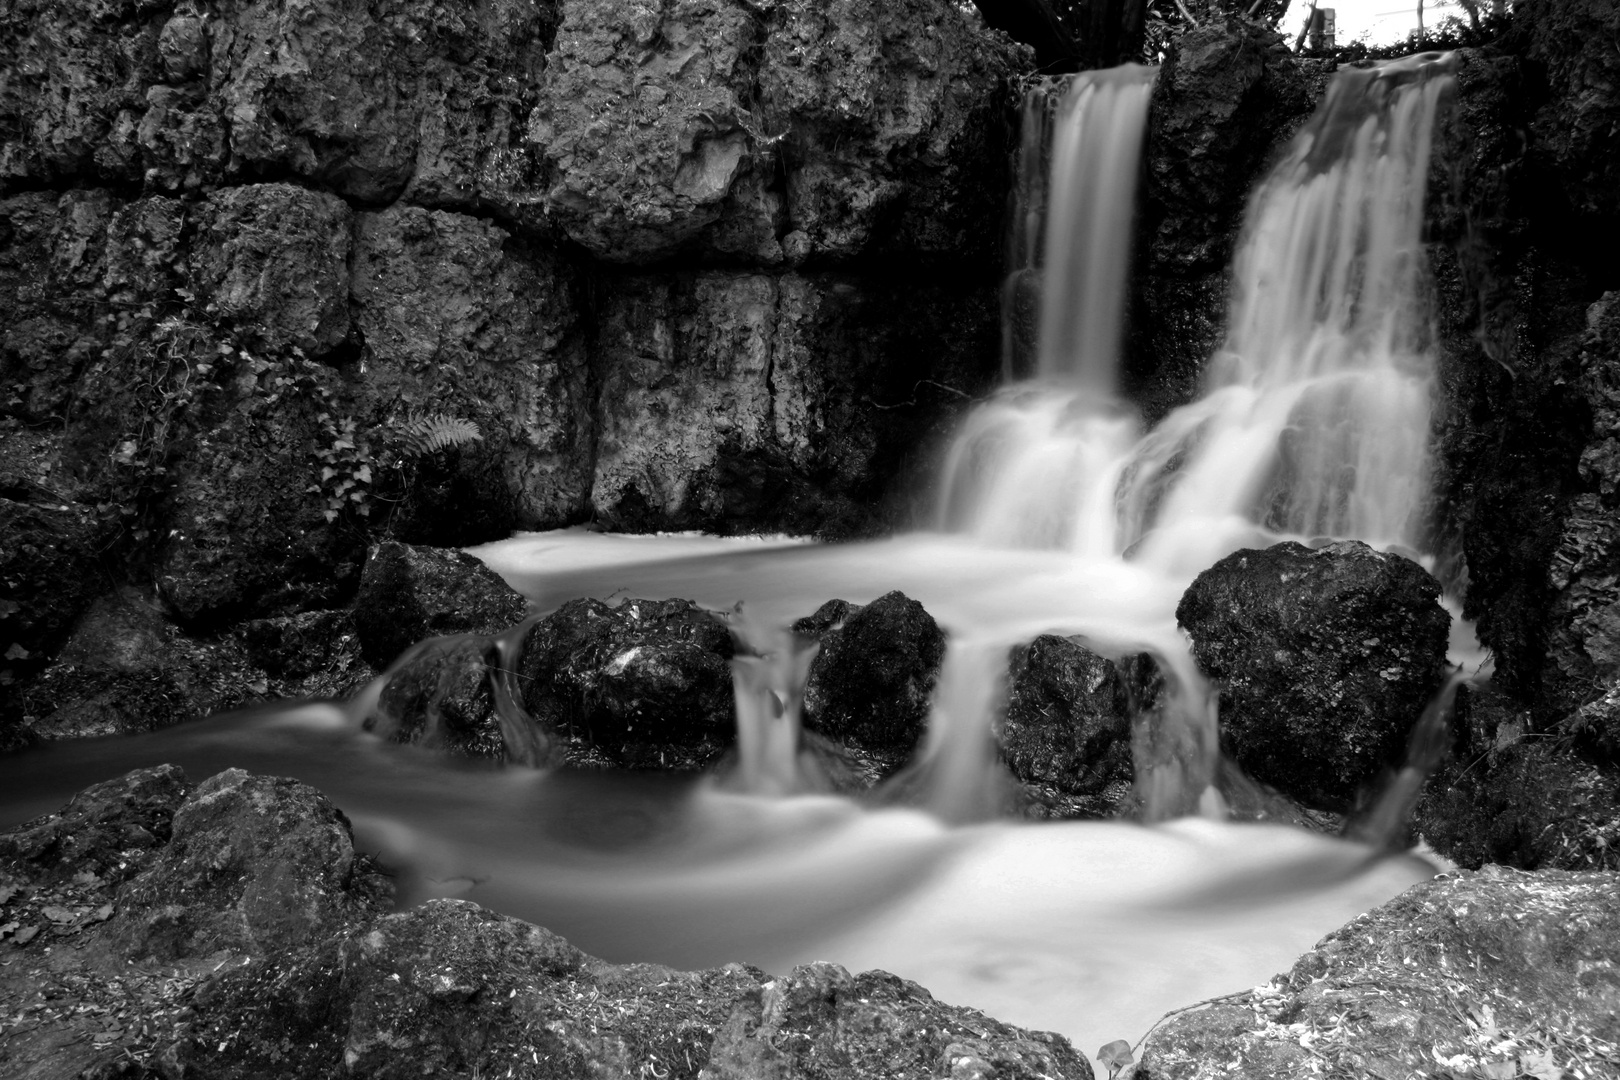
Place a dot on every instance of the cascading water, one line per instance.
(1065, 520)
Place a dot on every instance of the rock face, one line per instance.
(1066, 732)
(411, 593)
(253, 864)
(1227, 97)
(1498, 972)
(1324, 658)
(646, 684)
(873, 680)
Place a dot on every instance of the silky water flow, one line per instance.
(1057, 514)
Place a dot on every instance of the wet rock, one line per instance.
(1067, 725)
(873, 681)
(273, 260)
(109, 829)
(646, 684)
(453, 989)
(1494, 973)
(443, 699)
(1227, 96)
(821, 1021)
(1514, 795)
(410, 593)
(1324, 658)
(126, 668)
(254, 864)
(456, 313)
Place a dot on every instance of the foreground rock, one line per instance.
(1499, 973)
(1325, 659)
(277, 962)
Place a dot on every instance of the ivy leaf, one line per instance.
(17, 652)
(1539, 1064)
(1116, 1055)
(363, 474)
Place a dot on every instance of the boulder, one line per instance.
(1324, 658)
(253, 864)
(128, 669)
(1496, 973)
(109, 830)
(872, 683)
(1514, 795)
(311, 654)
(646, 684)
(410, 593)
(443, 698)
(1066, 730)
(820, 1021)
(456, 312)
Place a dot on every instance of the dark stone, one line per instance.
(254, 864)
(127, 669)
(1067, 725)
(1325, 659)
(110, 829)
(873, 680)
(452, 989)
(1512, 795)
(442, 698)
(1228, 95)
(646, 684)
(311, 654)
(821, 1021)
(50, 570)
(1516, 971)
(1575, 125)
(410, 593)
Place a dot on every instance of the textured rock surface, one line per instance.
(127, 669)
(873, 680)
(1513, 795)
(646, 684)
(108, 829)
(822, 1022)
(272, 262)
(410, 593)
(1067, 727)
(461, 320)
(1324, 658)
(253, 864)
(1575, 124)
(1496, 973)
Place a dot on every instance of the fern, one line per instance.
(420, 436)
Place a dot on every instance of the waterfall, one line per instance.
(1315, 415)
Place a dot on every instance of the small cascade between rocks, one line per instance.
(1057, 514)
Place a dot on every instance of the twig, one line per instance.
(1186, 1008)
(1185, 14)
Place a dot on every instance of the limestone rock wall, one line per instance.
(680, 262)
